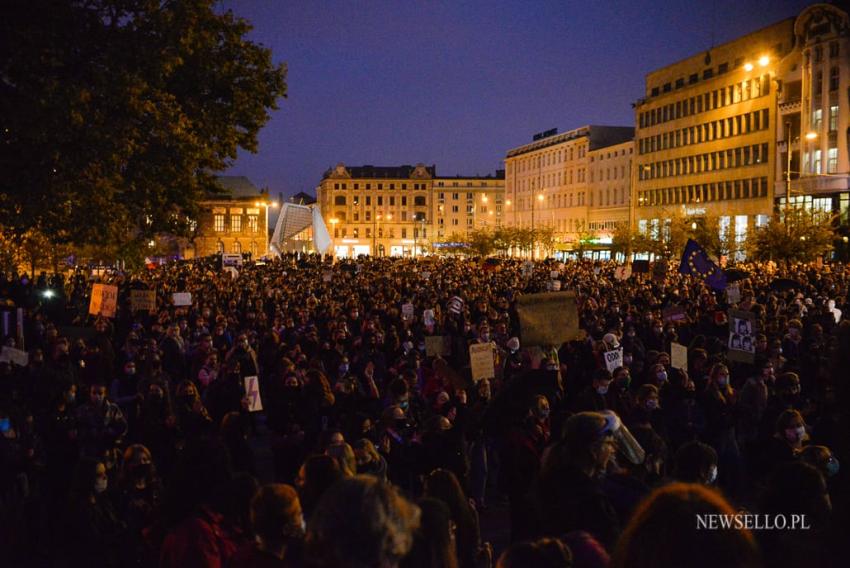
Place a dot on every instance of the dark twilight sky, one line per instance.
(458, 83)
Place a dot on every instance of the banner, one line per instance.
(695, 261)
(252, 392)
(15, 356)
(733, 294)
(742, 340)
(182, 298)
(613, 359)
(640, 266)
(548, 319)
(231, 259)
(679, 356)
(143, 300)
(553, 286)
(104, 300)
(481, 361)
(435, 346)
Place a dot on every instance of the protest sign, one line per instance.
(407, 311)
(455, 305)
(234, 274)
(742, 341)
(553, 274)
(435, 346)
(673, 314)
(613, 359)
(252, 392)
(143, 300)
(548, 319)
(481, 361)
(104, 300)
(182, 298)
(733, 294)
(425, 275)
(640, 266)
(553, 285)
(659, 271)
(15, 356)
(327, 276)
(623, 272)
(231, 259)
(678, 356)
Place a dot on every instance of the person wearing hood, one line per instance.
(100, 423)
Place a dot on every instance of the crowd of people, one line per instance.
(131, 440)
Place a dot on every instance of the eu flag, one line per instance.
(695, 261)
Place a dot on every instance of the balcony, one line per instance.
(790, 106)
(814, 185)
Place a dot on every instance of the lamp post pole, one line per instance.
(787, 171)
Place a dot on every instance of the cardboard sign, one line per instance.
(104, 300)
(481, 361)
(327, 276)
(733, 294)
(234, 274)
(673, 314)
(742, 336)
(252, 392)
(428, 317)
(527, 269)
(407, 311)
(623, 272)
(455, 305)
(182, 298)
(613, 359)
(679, 356)
(640, 266)
(435, 346)
(14, 356)
(425, 275)
(553, 274)
(553, 285)
(143, 300)
(549, 318)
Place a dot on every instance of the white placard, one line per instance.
(733, 294)
(407, 311)
(623, 272)
(613, 359)
(425, 275)
(182, 298)
(428, 317)
(327, 276)
(678, 356)
(252, 392)
(553, 274)
(15, 356)
(481, 361)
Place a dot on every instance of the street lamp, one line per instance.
(333, 221)
(540, 198)
(377, 218)
(266, 205)
(810, 136)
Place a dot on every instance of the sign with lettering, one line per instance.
(481, 361)
(742, 340)
(623, 272)
(673, 314)
(733, 294)
(407, 311)
(613, 359)
(15, 356)
(143, 300)
(104, 300)
(435, 346)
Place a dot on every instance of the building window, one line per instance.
(817, 162)
(819, 82)
(817, 119)
(356, 232)
(237, 247)
(218, 223)
(832, 160)
(419, 200)
(236, 223)
(833, 118)
(392, 201)
(252, 223)
(833, 79)
(404, 232)
(219, 246)
(833, 49)
(339, 200)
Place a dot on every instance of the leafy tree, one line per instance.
(802, 236)
(481, 242)
(116, 113)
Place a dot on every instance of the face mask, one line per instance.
(543, 413)
(485, 336)
(343, 369)
(651, 404)
(5, 425)
(722, 381)
(101, 484)
(662, 376)
(244, 345)
(659, 330)
(627, 360)
(602, 390)
(131, 371)
(99, 398)
(70, 398)
(625, 382)
(712, 475)
(404, 404)
(832, 467)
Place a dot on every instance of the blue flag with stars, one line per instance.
(695, 261)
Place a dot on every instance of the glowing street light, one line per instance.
(748, 67)
(811, 135)
(764, 60)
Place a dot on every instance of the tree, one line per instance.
(481, 242)
(803, 236)
(117, 113)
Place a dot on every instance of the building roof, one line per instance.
(237, 187)
(303, 198)
(599, 137)
(500, 174)
(378, 172)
